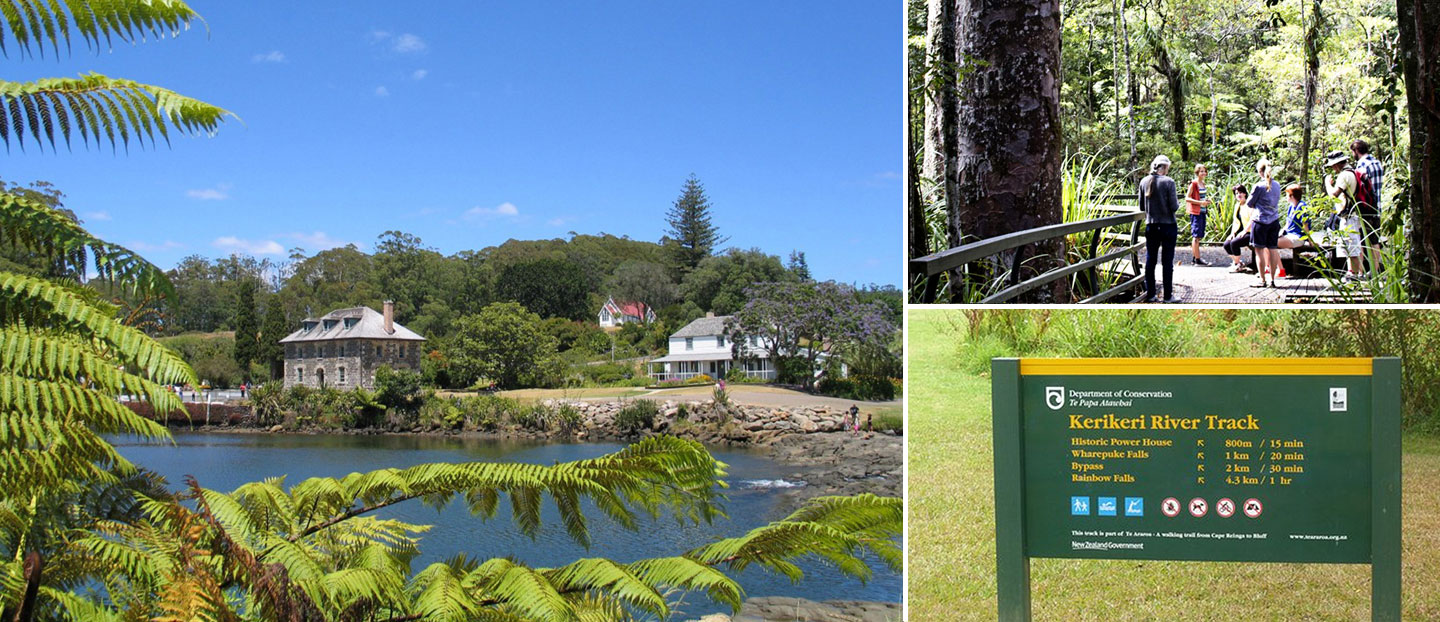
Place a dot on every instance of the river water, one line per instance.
(225, 461)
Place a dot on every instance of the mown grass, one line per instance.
(952, 529)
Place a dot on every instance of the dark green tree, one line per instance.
(798, 266)
(691, 237)
(503, 343)
(643, 281)
(549, 287)
(718, 283)
(247, 328)
(271, 353)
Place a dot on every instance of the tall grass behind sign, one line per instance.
(1256, 460)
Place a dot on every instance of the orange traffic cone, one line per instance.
(1281, 275)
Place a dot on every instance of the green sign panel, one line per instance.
(1262, 460)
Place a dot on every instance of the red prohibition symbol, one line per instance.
(1253, 508)
(1198, 507)
(1170, 507)
(1225, 507)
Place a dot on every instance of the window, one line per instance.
(720, 341)
(342, 375)
(377, 349)
(689, 343)
(299, 375)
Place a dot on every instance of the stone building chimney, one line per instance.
(709, 314)
(390, 317)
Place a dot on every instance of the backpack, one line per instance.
(1364, 192)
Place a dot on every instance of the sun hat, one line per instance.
(1335, 157)
(1158, 162)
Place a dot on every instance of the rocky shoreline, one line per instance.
(785, 609)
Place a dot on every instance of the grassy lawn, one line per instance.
(952, 530)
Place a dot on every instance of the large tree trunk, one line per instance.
(919, 238)
(1419, 24)
(1175, 79)
(1312, 75)
(1009, 153)
(939, 92)
(1131, 91)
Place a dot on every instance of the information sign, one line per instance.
(1262, 460)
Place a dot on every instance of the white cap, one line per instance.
(1159, 161)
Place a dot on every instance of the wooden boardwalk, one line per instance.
(1215, 284)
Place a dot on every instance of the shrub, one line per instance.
(605, 373)
(269, 403)
(398, 388)
(636, 416)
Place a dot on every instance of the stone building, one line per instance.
(343, 348)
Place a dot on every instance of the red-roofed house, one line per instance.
(617, 313)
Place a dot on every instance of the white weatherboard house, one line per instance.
(613, 313)
(701, 347)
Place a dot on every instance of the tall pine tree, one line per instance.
(691, 237)
(247, 328)
(271, 353)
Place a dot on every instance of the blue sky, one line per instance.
(470, 123)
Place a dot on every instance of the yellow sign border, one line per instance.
(1198, 367)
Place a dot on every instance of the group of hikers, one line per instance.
(1259, 224)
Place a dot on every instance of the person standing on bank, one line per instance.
(1198, 206)
(1159, 202)
(1265, 199)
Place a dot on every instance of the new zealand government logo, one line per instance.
(1055, 397)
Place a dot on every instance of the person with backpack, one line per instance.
(1265, 231)
(1159, 202)
(1198, 206)
(1374, 173)
(1354, 192)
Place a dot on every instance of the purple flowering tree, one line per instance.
(800, 324)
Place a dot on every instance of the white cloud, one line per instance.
(318, 241)
(507, 209)
(407, 43)
(256, 247)
(381, 91)
(97, 215)
(420, 74)
(146, 247)
(558, 222)
(273, 56)
(403, 43)
(219, 193)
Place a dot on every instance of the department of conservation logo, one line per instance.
(1055, 397)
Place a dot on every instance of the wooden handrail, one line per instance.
(933, 265)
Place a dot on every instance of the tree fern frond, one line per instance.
(688, 574)
(37, 227)
(112, 105)
(523, 588)
(612, 579)
(835, 529)
(44, 303)
(33, 24)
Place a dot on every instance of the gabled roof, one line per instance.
(636, 309)
(703, 327)
(365, 323)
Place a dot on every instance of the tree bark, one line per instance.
(1419, 24)
(919, 238)
(1131, 91)
(1312, 75)
(1175, 79)
(939, 92)
(1007, 171)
